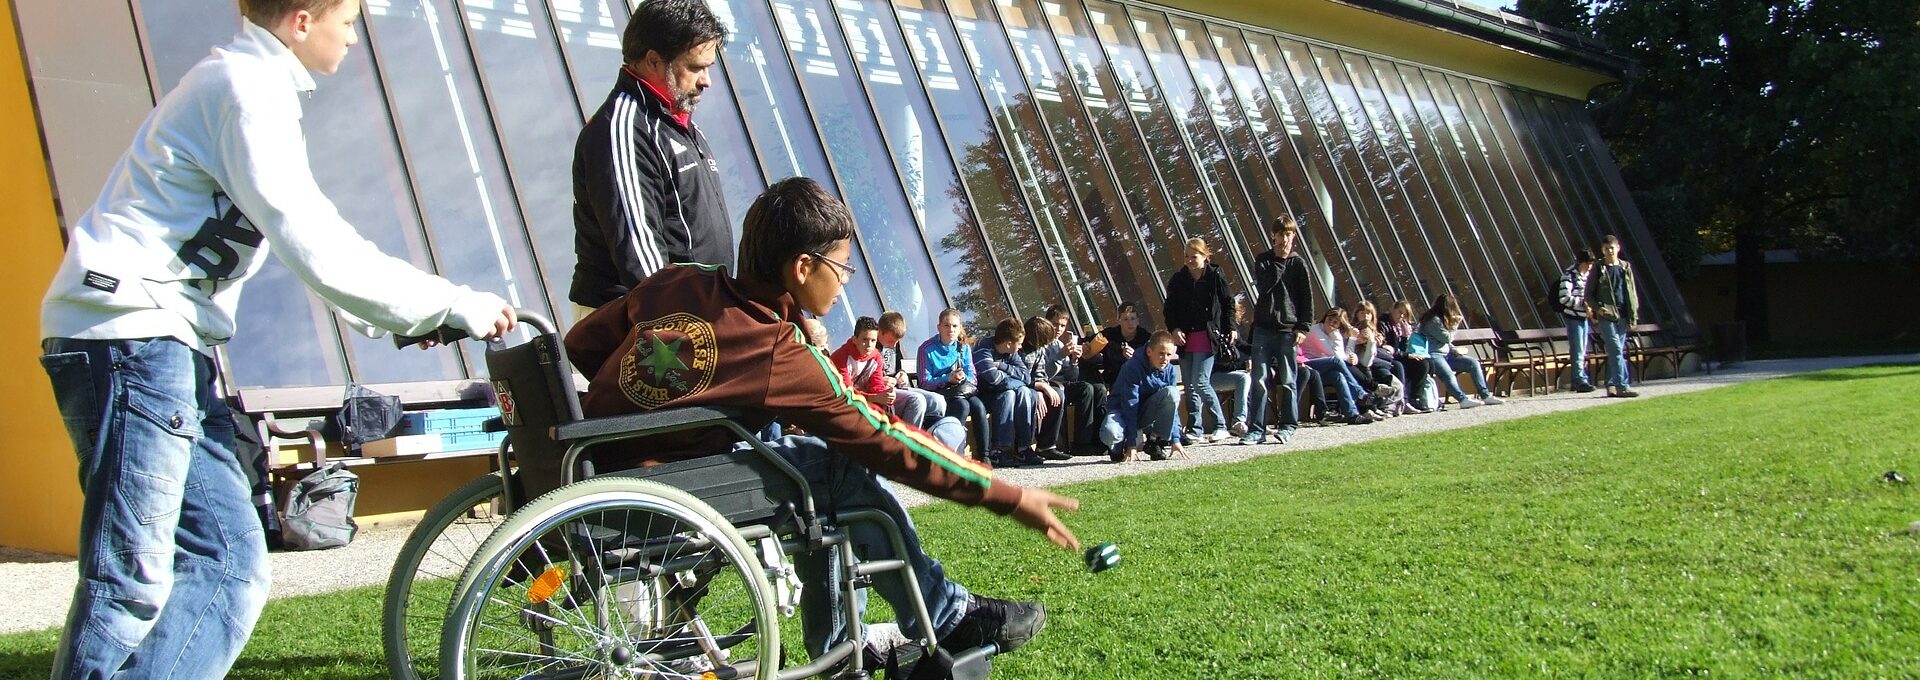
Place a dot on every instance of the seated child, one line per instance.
(912, 404)
(693, 336)
(1006, 387)
(859, 364)
(946, 367)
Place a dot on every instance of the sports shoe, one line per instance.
(1051, 453)
(1359, 419)
(1215, 438)
(1284, 436)
(1006, 624)
(1469, 402)
(1239, 429)
(1250, 438)
(1492, 400)
(1583, 388)
(1028, 458)
(887, 648)
(1156, 450)
(1624, 393)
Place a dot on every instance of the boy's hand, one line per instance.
(1126, 350)
(892, 383)
(1178, 451)
(1035, 510)
(885, 398)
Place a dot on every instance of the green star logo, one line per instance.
(663, 357)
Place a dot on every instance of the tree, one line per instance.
(1760, 125)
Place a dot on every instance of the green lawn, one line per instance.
(1737, 531)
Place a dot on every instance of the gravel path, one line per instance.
(43, 584)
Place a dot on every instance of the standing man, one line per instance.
(1613, 303)
(646, 189)
(1282, 309)
(1573, 309)
(173, 561)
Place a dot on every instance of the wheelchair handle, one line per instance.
(447, 335)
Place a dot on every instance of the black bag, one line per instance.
(364, 416)
(1224, 350)
(960, 390)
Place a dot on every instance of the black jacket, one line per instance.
(1105, 366)
(1281, 299)
(1195, 305)
(646, 193)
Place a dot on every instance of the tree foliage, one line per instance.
(1764, 124)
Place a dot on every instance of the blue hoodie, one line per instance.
(1138, 381)
(1000, 372)
(937, 360)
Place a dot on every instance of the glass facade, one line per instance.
(999, 156)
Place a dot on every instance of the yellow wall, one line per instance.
(41, 503)
(1366, 30)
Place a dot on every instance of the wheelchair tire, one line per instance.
(428, 570)
(543, 598)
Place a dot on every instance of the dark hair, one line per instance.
(1124, 308)
(1446, 309)
(1610, 240)
(1160, 337)
(794, 217)
(669, 27)
(864, 324)
(1583, 257)
(1284, 224)
(1008, 329)
(1040, 332)
(894, 323)
(1055, 311)
(266, 13)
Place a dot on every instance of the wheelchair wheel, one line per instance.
(427, 571)
(613, 577)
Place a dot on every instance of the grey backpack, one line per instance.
(320, 510)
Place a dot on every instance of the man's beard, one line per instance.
(684, 100)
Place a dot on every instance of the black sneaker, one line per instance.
(1156, 450)
(1051, 453)
(1583, 388)
(1359, 419)
(1030, 459)
(1006, 624)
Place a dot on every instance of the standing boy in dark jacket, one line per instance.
(1282, 310)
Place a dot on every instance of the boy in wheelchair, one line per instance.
(693, 336)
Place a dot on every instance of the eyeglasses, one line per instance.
(846, 270)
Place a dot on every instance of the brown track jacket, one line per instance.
(689, 335)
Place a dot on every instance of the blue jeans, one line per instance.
(840, 483)
(1158, 419)
(1196, 373)
(173, 561)
(1337, 374)
(1012, 418)
(1614, 335)
(1443, 367)
(1577, 349)
(1239, 383)
(1273, 357)
(917, 407)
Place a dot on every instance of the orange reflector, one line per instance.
(544, 587)
(709, 676)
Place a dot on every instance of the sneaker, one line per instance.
(1583, 388)
(1492, 400)
(1469, 402)
(1239, 429)
(1215, 438)
(1250, 438)
(1031, 459)
(1624, 393)
(887, 648)
(1156, 450)
(1116, 454)
(1284, 436)
(1006, 624)
(1359, 419)
(1051, 453)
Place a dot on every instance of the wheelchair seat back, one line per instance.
(534, 386)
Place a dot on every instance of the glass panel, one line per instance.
(783, 132)
(1449, 227)
(1572, 195)
(1198, 202)
(987, 183)
(1106, 105)
(932, 188)
(1509, 167)
(1377, 273)
(1537, 178)
(1422, 237)
(1469, 157)
(1190, 114)
(1328, 206)
(1115, 228)
(520, 69)
(1663, 302)
(719, 122)
(1411, 262)
(1229, 119)
(590, 31)
(287, 336)
(1062, 226)
(479, 235)
(873, 190)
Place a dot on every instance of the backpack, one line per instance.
(320, 510)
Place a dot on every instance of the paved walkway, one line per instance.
(42, 585)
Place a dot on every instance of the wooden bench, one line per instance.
(1497, 357)
(1649, 341)
(297, 414)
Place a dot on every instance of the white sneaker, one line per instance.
(1239, 429)
(1492, 400)
(1470, 402)
(1218, 436)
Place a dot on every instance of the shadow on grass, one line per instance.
(1905, 369)
(26, 664)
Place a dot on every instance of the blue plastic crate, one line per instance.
(447, 421)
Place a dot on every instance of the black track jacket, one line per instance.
(646, 193)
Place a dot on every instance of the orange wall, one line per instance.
(42, 500)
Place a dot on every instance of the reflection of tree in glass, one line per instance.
(1005, 224)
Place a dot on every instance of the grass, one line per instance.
(1737, 531)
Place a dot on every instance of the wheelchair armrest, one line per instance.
(669, 419)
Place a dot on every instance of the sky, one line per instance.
(1490, 4)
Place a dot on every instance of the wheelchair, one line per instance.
(544, 569)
